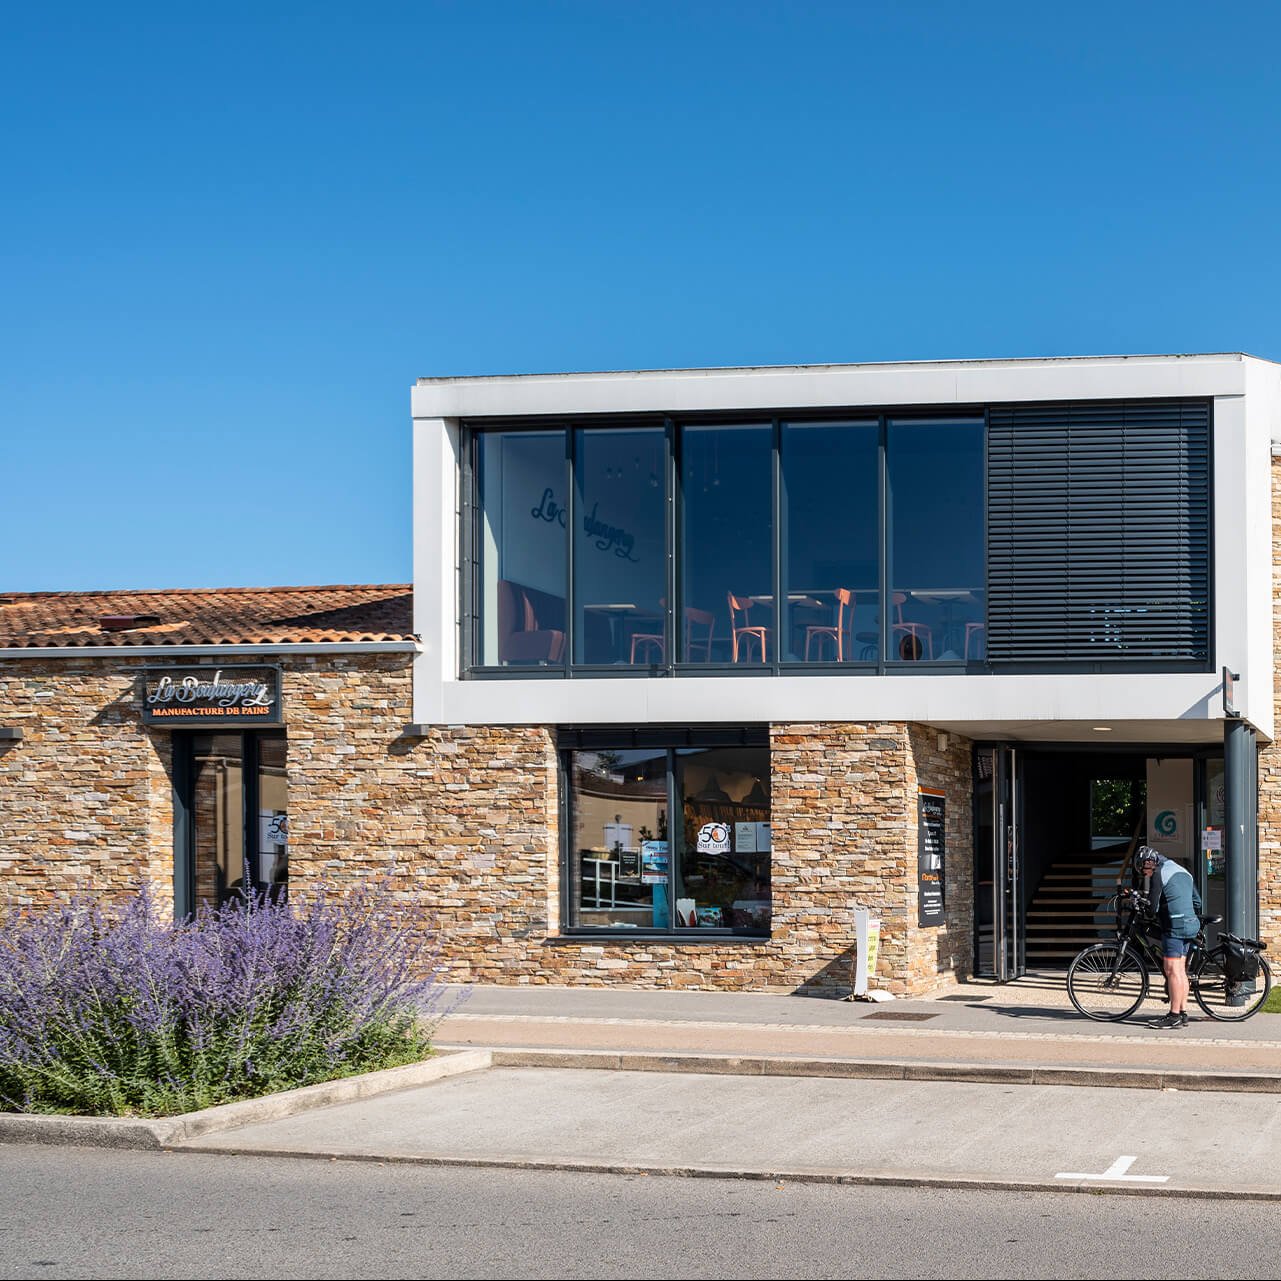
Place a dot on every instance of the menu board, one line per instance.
(930, 850)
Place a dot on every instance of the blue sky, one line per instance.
(231, 236)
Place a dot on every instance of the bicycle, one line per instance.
(1109, 981)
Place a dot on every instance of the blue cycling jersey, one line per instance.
(1175, 898)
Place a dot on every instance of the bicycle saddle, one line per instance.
(1209, 920)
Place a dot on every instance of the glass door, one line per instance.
(999, 944)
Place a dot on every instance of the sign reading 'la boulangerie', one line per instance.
(211, 696)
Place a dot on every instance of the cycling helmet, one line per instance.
(1145, 854)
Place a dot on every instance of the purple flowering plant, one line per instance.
(109, 1009)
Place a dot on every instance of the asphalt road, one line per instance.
(67, 1212)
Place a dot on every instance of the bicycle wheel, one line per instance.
(1107, 982)
(1226, 1001)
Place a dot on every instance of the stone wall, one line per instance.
(1270, 761)
(465, 822)
(85, 795)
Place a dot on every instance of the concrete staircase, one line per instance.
(1070, 910)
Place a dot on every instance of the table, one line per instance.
(616, 614)
(946, 599)
(598, 899)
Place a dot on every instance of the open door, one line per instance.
(999, 950)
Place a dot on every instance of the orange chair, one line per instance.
(970, 630)
(844, 601)
(748, 633)
(649, 643)
(915, 630)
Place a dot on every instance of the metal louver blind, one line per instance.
(1098, 532)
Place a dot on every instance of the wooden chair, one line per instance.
(745, 630)
(970, 630)
(915, 630)
(650, 643)
(836, 634)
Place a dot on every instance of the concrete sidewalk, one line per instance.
(1001, 1030)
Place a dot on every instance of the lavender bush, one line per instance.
(111, 1010)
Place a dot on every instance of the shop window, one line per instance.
(237, 807)
(630, 868)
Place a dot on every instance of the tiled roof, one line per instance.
(216, 616)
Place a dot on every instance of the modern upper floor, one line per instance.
(971, 543)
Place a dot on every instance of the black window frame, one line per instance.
(671, 739)
(673, 665)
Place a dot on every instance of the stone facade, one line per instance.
(466, 823)
(1270, 761)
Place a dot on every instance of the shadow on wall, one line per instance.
(836, 978)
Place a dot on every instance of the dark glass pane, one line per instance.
(619, 547)
(936, 541)
(830, 542)
(273, 814)
(618, 864)
(723, 863)
(727, 602)
(217, 816)
(523, 551)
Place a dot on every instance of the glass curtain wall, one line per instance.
(830, 541)
(619, 547)
(936, 532)
(726, 560)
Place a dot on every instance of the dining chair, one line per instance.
(913, 629)
(748, 632)
(836, 634)
(650, 643)
(971, 629)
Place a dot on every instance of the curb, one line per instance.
(898, 1070)
(849, 1178)
(164, 1132)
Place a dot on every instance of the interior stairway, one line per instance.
(1070, 909)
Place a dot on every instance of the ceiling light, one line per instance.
(1102, 729)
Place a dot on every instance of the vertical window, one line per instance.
(522, 553)
(238, 806)
(619, 866)
(831, 545)
(937, 563)
(620, 548)
(726, 546)
(628, 870)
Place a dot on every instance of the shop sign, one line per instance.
(213, 696)
(713, 838)
(930, 850)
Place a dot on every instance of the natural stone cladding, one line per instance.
(1270, 760)
(465, 823)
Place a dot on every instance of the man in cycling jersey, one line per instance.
(1178, 907)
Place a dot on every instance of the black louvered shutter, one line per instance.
(1098, 532)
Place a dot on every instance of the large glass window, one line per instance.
(726, 549)
(522, 556)
(237, 805)
(936, 541)
(830, 541)
(619, 547)
(629, 871)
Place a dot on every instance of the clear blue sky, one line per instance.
(231, 236)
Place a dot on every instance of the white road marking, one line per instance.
(1117, 1171)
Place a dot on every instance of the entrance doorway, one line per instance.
(1055, 828)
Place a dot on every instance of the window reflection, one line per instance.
(522, 551)
(726, 562)
(619, 547)
(830, 542)
(619, 866)
(936, 602)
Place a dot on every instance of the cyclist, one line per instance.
(1178, 906)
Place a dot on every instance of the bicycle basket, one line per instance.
(1240, 962)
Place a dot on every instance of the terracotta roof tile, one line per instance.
(213, 616)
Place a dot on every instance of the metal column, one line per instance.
(1241, 849)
